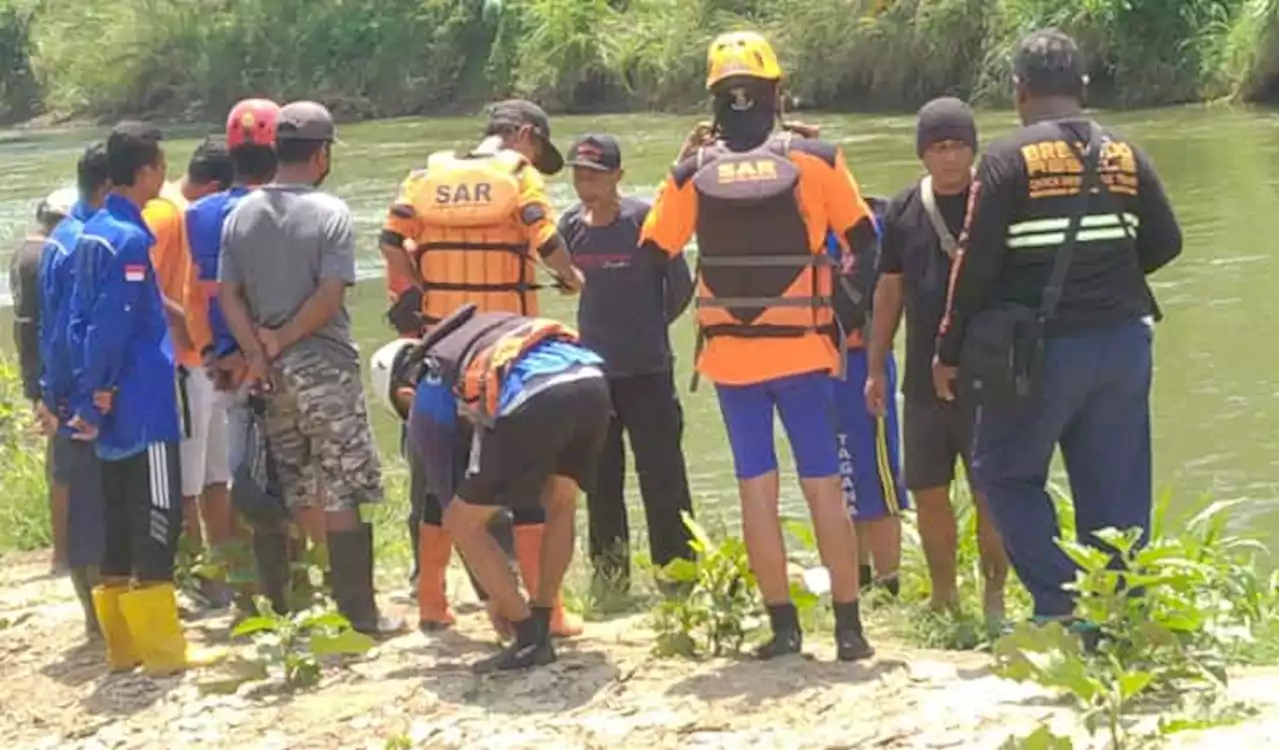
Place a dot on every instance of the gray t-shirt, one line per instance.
(279, 242)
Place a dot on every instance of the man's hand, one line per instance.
(270, 340)
(874, 392)
(226, 373)
(257, 371)
(45, 419)
(102, 400)
(573, 284)
(944, 380)
(82, 430)
(700, 136)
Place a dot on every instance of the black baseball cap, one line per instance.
(1049, 62)
(598, 151)
(523, 112)
(305, 121)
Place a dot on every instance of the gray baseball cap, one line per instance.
(305, 121)
(524, 112)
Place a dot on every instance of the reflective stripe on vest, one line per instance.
(1053, 231)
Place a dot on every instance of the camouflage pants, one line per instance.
(318, 428)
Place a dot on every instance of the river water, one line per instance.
(1215, 403)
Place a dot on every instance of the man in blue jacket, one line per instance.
(125, 398)
(74, 466)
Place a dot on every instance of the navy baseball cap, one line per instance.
(596, 151)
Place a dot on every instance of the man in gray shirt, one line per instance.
(288, 255)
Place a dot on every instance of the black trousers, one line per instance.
(142, 514)
(648, 410)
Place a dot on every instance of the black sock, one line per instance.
(848, 616)
(865, 578)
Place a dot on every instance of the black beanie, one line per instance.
(945, 119)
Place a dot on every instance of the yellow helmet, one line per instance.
(741, 53)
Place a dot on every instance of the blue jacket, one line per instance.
(205, 218)
(118, 322)
(433, 420)
(57, 280)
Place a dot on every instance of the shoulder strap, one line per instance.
(1090, 161)
(945, 239)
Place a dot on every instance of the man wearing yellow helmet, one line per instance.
(764, 202)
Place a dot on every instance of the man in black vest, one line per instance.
(1085, 383)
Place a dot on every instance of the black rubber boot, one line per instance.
(83, 579)
(851, 644)
(271, 557)
(531, 648)
(787, 638)
(351, 566)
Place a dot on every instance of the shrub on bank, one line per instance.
(379, 58)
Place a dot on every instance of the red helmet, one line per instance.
(253, 122)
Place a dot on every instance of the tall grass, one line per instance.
(369, 58)
(24, 505)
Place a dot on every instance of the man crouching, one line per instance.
(537, 407)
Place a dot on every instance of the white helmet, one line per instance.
(386, 369)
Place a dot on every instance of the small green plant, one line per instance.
(1041, 739)
(1165, 620)
(294, 644)
(712, 609)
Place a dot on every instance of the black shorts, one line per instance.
(142, 513)
(558, 431)
(82, 475)
(934, 434)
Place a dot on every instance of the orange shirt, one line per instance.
(830, 199)
(175, 273)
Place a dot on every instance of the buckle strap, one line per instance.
(816, 301)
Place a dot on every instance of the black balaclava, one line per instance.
(745, 112)
(945, 119)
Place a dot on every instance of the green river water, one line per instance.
(1215, 401)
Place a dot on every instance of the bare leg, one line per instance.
(883, 540)
(837, 541)
(763, 535)
(937, 523)
(559, 497)
(995, 563)
(468, 524)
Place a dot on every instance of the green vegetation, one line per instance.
(376, 58)
(293, 644)
(24, 509)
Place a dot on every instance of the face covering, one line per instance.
(745, 115)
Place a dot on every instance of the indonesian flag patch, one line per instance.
(135, 272)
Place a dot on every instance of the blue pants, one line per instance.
(803, 402)
(869, 467)
(1094, 405)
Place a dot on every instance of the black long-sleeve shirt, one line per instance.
(629, 298)
(24, 285)
(1021, 204)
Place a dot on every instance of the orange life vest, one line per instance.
(757, 275)
(473, 248)
(475, 350)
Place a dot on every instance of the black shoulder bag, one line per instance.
(1001, 361)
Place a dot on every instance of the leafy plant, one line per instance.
(1041, 739)
(715, 605)
(294, 644)
(1161, 618)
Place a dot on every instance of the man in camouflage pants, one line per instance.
(288, 255)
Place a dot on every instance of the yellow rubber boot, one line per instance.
(152, 614)
(122, 654)
(529, 557)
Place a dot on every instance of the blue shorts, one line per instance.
(804, 404)
(870, 472)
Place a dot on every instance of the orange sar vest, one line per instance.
(757, 275)
(473, 248)
(475, 350)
